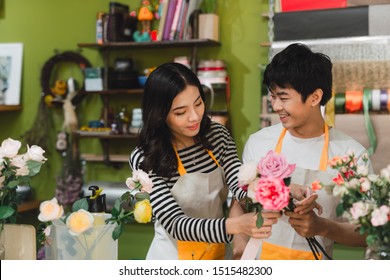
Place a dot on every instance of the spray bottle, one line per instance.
(97, 205)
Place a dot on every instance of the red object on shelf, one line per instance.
(302, 5)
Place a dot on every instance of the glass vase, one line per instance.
(2, 242)
(94, 244)
(381, 252)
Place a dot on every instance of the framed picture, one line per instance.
(10, 73)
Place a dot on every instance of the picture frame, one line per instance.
(11, 56)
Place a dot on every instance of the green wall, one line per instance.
(44, 26)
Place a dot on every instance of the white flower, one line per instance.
(365, 184)
(35, 153)
(373, 177)
(19, 162)
(359, 209)
(380, 215)
(362, 170)
(50, 210)
(141, 177)
(353, 183)
(339, 190)
(385, 173)
(47, 231)
(247, 173)
(9, 148)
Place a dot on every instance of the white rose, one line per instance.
(359, 209)
(385, 173)
(339, 190)
(365, 185)
(35, 153)
(362, 170)
(144, 180)
(18, 161)
(379, 217)
(247, 173)
(130, 183)
(50, 210)
(10, 148)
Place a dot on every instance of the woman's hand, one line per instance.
(246, 224)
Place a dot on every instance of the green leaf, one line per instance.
(141, 196)
(339, 209)
(6, 212)
(118, 230)
(260, 220)
(287, 181)
(126, 196)
(80, 204)
(34, 167)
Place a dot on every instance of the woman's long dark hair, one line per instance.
(162, 86)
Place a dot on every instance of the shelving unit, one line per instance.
(353, 59)
(5, 108)
(106, 50)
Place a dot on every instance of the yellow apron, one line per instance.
(199, 195)
(192, 250)
(275, 252)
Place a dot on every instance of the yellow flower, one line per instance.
(79, 222)
(143, 211)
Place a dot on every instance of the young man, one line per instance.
(299, 82)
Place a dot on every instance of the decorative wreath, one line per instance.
(59, 87)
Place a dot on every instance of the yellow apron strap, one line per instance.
(278, 148)
(324, 155)
(213, 157)
(180, 167)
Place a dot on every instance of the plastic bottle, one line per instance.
(97, 205)
(99, 28)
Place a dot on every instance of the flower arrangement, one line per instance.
(16, 169)
(365, 197)
(133, 205)
(266, 184)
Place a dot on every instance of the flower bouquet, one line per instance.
(15, 170)
(267, 185)
(84, 233)
(365, 200)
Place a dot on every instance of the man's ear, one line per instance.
(316, 96)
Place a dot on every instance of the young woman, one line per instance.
(193, 163)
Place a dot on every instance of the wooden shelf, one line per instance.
(28, 205)
(114, 91)
(87, 134)
(100, 158)
(151, 45)
(4, 108)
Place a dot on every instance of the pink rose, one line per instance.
(275, 165)
(272, 193)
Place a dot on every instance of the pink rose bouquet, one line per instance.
(266, 183)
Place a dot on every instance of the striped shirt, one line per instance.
(195, 159)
